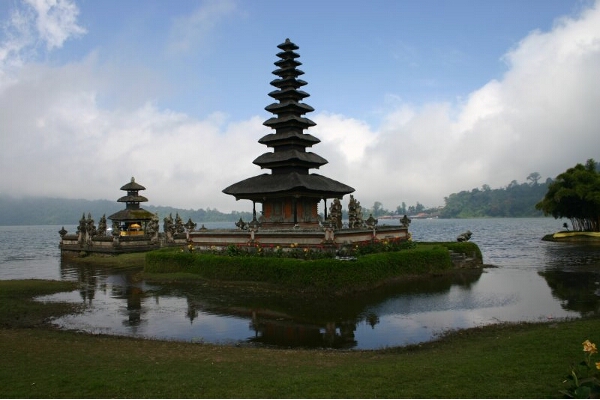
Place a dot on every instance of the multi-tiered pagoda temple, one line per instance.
(133, 219)
(290, 194)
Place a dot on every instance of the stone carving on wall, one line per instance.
(335, 214)
(152, 228)
(241, 224)
(179, 227)
(81, 229)
(405, 221)
(169, 228)
(371, 222)
(190, 225)
(355, 218)
(102, 226)
(116, 229)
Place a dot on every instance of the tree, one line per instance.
(534, 177)
(575, 194)
(377, 208)
(401, 210)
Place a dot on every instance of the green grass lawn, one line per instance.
(506, 361)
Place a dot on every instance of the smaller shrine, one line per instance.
(133, 229)
(133, 220)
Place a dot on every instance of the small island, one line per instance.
(575, 195)
(290, 243)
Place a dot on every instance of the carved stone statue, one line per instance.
(167, 222)
(335, 214)
(405, 221)
(152, 228)
(102, 226)
(81, 229)
(90, 229)
(371, 222)
(241, 224)
(116, 229)
(190, 225)
(355, 219)
(169, 228)
(179, 227)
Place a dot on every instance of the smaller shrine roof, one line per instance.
(132, 199)
(138, 214)
(132, 185)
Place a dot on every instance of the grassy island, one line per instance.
(307, 270)
(573, 236)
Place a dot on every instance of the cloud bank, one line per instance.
(59, 139)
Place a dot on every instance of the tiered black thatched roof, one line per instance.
(289, 162)
(132, 211)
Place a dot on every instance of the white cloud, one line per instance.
(189, 32)
(541, 116)
(56, 21)
(32, 23)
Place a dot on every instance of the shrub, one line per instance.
(303, 272)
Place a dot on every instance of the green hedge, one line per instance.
(326, 274)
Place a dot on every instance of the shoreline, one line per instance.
(71, 364)
(573, 236)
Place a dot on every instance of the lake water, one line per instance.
(533, 281)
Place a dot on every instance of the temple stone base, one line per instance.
(119, 245)
(327, 239)
(219, 239)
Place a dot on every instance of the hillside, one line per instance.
(55, 211)
(514, 200)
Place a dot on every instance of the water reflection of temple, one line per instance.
(272, 318)
(292, 322)
(92, 279)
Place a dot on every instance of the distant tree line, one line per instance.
(56, 211)
(514, 200)
(529, 199)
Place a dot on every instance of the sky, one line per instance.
(414, 100)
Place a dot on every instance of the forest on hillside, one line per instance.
(514, 200)
(57, 211)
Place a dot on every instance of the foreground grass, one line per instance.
(507, 361)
